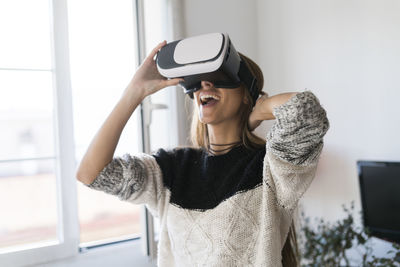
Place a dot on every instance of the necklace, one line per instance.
(234, 143)
(231, 145)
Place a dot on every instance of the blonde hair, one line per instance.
(199, 137)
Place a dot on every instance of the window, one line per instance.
(55, 91)
(103, 59)
(28, 156)
(37, 202)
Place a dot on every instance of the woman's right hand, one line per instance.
(147, 80)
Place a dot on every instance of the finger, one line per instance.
(156, 49)
(172, 82)
(260, 98)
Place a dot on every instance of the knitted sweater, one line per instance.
(233, 209)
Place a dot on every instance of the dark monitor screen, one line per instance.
(380, 196)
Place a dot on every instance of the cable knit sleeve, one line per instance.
(136, 179)
(294, 144)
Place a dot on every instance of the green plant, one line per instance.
(328, 244)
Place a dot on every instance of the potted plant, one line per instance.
(328, 244)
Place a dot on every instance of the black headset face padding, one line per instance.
(246, 78)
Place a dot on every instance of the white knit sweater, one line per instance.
(243, 227)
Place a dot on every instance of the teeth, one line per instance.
(204, 97)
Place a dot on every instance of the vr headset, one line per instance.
(209, 57)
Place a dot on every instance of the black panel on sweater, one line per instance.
(199, 181)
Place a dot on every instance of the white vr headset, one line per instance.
(209, 57)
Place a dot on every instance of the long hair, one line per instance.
(199, 137)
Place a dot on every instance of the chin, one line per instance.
(210, 121)
(205, 120)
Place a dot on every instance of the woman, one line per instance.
(229, 201)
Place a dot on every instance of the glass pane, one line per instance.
(28, 203)
(102, 63)
(25, 34)
(103, 216)
(26, 114)
(154, 16)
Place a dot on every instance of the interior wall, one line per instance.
(347, 53)
(235, 17)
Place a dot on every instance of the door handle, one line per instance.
(148, 107)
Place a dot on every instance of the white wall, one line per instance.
(238, 18)
(348, 53)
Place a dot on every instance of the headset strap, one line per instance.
(249, 80)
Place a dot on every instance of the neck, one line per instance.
(226, 132)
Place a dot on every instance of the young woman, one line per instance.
(229, 200)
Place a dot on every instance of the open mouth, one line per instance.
(206, 100)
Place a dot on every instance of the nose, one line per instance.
(206, 84)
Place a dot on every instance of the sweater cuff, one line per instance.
(301, 107)
(297, 133)
(122, 177)
(103, 180)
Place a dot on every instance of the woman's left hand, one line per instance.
(261, 112)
